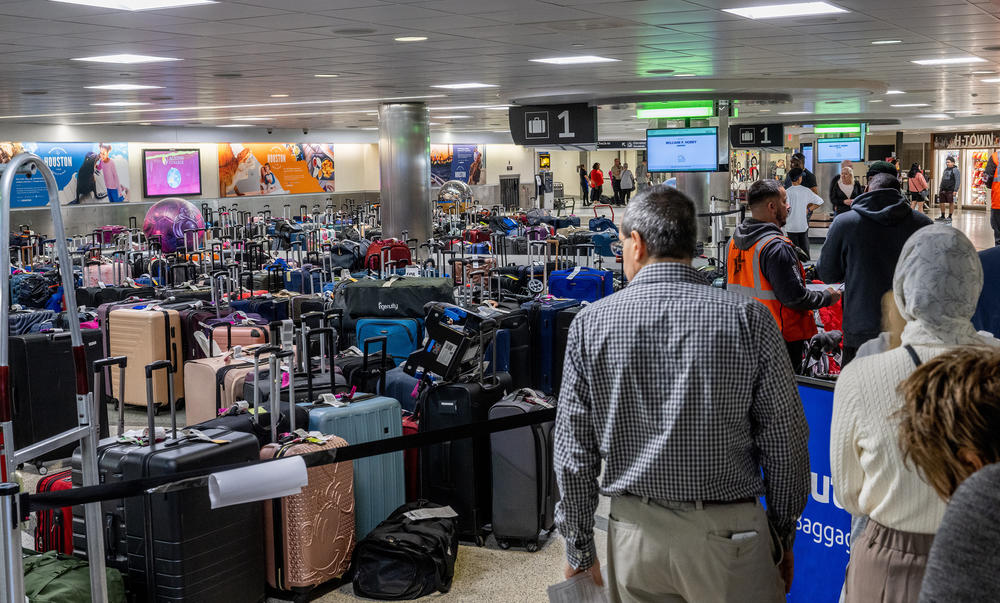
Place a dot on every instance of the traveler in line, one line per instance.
(808, 178)
(936, 286)
(616, 180)
(987, 316)
(685, 391)
(802, 202)
(627, 183)
(642, 176)
(596, 183)
(950, 181)
(948, 427)
(917, 185)
(993, 181)
(584, 185)
(763, 265)
(843, 190)
(861, 250)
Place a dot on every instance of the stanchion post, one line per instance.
(12, 567)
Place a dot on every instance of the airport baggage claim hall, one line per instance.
(533, 300)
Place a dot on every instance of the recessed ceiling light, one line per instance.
(934, 116)
(992, 80)
(119, 104)
(961, 111)
(144, 123)
(138, 4)
(794, 112)
(798, 9)
(123, 87)
(433, 123)
(453, 116)
(881, 42)
(685, 74)
(895, 92)
(369, 128)
(235, 126)
(126, 59)
(279, 96)
(252, 118)
(326, 75)
(910, 105)
(949, 61)
(411, 39)
(765, 110)
(983, 72)
(577, 60)
(877, 100)
(465, 86)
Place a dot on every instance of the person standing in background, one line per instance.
(993, 181)
(688, 445)
(627, 183)
(584, 186)
(596, 183)
(808, 178)
(948, 427)
(843, 190)
(801, 202)
(917, 185)
(616, 180)
(642, 176)
(950, 181)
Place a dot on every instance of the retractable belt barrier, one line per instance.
(77, 496)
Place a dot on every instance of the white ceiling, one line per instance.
(827, 63)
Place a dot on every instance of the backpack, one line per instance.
(56, 578)
(405, 559)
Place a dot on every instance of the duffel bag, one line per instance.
(56, 578)
(601, 223)
(404, 559)
(397, 250)
(395, 297)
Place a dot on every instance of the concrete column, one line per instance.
(404, 150)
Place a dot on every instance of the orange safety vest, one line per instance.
(995, 187)
(746, 278)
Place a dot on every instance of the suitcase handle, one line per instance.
(330, 336)
(264, 349)
(328, 316)
(381, 369)
(99, 365)
(150, 404)
(275, 376)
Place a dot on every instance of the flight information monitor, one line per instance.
(683, 150)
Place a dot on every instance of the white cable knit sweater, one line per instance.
(869, 477)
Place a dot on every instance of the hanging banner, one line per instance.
(85, 172)
(275, 169)
(462, 162)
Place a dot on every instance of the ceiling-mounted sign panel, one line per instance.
(750, 136)
(621, 144)
(540, 125)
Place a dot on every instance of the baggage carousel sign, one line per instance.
(553, 124)
(749, 136)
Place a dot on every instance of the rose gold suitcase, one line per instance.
(309, 537)
(214, 383)
(228, 335)
(146, 336)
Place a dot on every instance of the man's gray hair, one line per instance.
(665, 219)
(882, 181)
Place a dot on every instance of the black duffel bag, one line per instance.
(403, 559)
(401, 298)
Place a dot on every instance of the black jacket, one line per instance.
(861, 250)
(950, 179)
(780, 266)
(837, 196)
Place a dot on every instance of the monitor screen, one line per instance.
(683, 150)
(835, 150)
(169, 172)
(807, 150)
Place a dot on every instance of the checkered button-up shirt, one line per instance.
(686, 392)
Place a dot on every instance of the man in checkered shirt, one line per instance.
(686, 393)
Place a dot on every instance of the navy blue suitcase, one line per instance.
(272, 309)
(542, 320)
(584, 284)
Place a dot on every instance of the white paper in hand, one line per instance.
(580, 589)
(284, 477)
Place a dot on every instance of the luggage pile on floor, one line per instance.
(285, 336)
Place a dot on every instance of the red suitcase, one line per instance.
(411, 460)
(54, 531)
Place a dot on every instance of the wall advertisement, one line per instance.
(463, 162)
(275, 169)
(85, 172)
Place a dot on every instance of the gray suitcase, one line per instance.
(524, 484)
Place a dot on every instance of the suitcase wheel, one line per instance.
(531, 547)
(480, 540)
(503, 544)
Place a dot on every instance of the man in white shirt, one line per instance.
(802, 202)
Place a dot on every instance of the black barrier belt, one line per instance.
(721, 213)
(77, 496)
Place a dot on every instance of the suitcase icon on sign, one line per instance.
(536, 124)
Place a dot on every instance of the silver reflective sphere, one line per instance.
(455, 191)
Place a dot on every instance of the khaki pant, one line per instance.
(886, 565)
(686, 554)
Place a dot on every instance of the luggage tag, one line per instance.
(431, 513)
(197, 435)
(573, 274)
(238, 408)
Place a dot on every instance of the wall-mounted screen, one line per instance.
(683, 150)
(170, 172)
(835, 150)
(807, 151)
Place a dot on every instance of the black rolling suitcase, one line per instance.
(563, 320)
(517, 325)
(172, 546)
(524, 483)
(43, 387)
(458, 473)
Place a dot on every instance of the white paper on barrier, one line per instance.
(581, 588)
(275, 479)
